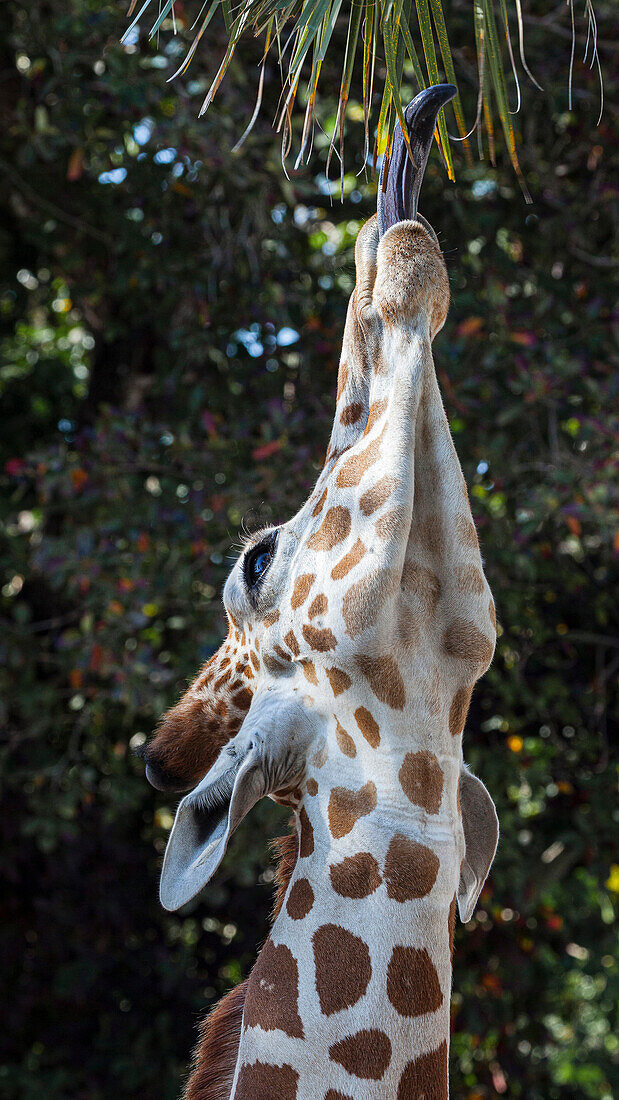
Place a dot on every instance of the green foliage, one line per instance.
(305, 31)
(154, 393)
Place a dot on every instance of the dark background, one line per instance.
(170, 322)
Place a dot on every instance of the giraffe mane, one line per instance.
(214, 1058)
(284, 849)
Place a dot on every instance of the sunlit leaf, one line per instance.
(303, 31)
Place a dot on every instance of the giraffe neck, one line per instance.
(351, 992)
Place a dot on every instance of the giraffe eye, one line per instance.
(258, 560)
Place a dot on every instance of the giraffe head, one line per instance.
(342, 621)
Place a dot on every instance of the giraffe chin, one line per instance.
(267, 755)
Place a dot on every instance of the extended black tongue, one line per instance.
(398, 202)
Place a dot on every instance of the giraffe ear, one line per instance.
(267, 754)
(481, 836)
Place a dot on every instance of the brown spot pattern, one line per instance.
(242, 698)
(459, 710)
(430, 534)
(271, 664)
(312, 786)
(321, 755)
(377, 496)
(346, 807)
(365, 1054)
(334, 528)
(273, 992)
(320, 639)
(363, 600)
(385, 680)
(271, 618)
(300, 899)
(260, 1081)
(281, 652)
(301, 589)
(350, 414)
(469, 580)
(389, 526)
(410, 869)
(492, 613)
(343, 968)
(376, 410)
(356, 876)
(412, 982)
(368, 726)
(353, 469)
(333, 1095)
(348, 562)
(423, 583)
(342, 379)
(338, 679)
(318, 606)
(306, 843)
(292, 643)
(421, 778)
(344, 741)
(464, 640)
(426, 1077)
(466, 532)
(309, 671)
(320, 503)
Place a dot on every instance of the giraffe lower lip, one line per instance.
(153, 778)
(158, 779)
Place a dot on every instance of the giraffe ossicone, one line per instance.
(357, 631)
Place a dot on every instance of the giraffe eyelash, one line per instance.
(248, 539)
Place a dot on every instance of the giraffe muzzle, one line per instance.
(401, 178)
(159, 777)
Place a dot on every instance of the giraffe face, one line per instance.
(316, 606)
(321, 592)
(401, 285)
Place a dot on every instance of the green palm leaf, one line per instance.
(309, 26)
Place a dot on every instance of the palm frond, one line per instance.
(309, 26)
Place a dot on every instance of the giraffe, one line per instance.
(357, 631)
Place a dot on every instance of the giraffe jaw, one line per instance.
(398, 194)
